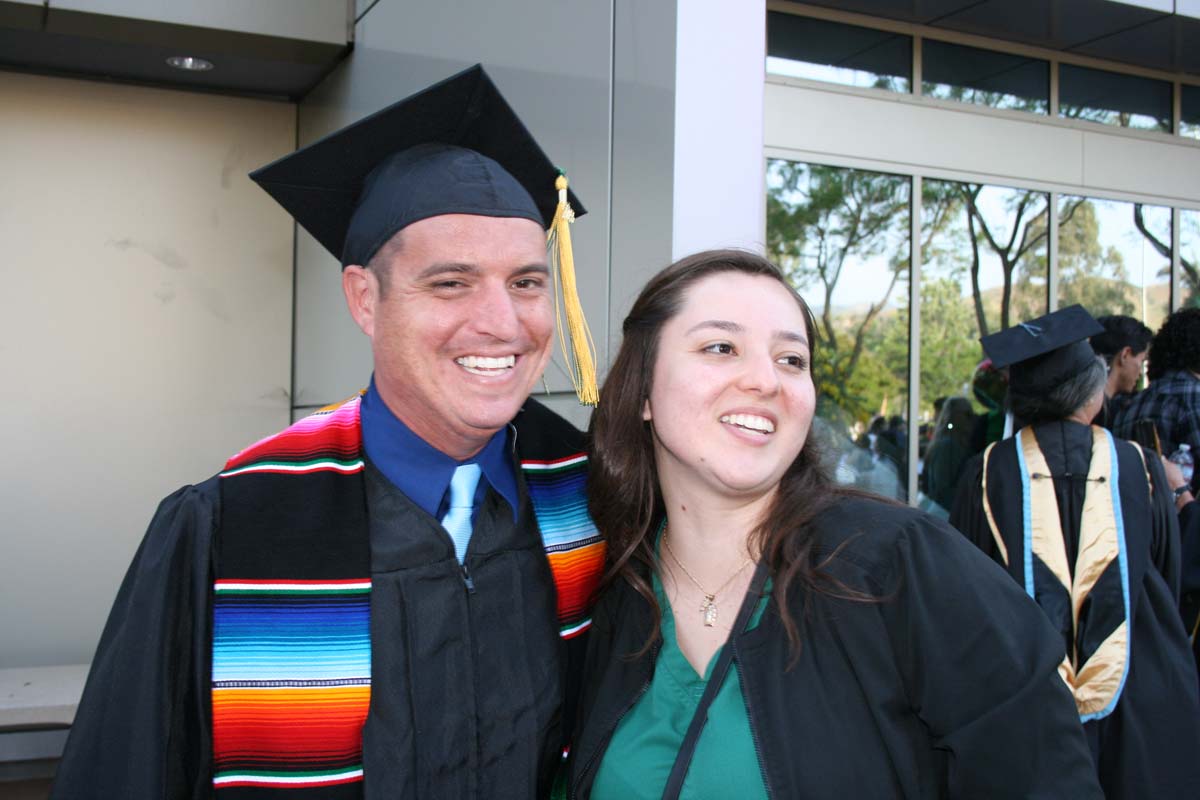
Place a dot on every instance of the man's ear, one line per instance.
(1124, 354)
(361, 287)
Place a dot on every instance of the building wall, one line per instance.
(594, 84)
(145, 330)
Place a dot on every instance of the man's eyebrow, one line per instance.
(446, 267)
(460, 268)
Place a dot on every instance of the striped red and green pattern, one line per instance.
(558, 491)
(328, 440)
(291, 682)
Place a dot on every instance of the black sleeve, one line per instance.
(1189, 537)
(966, 513)
(142, 726)
(1164, 545)
(980, 664)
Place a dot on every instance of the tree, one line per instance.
(949, 346)
(820, 221)
(1190, 275)
(1089, 273)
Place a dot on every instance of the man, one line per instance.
(381, 600)
(1123, 344)
(1172, 401)
(1085, 522)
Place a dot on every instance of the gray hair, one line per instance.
(1063, 400)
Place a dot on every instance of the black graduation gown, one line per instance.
(467, 688)
(1149, 746)
(945, 685)
(1189, 602)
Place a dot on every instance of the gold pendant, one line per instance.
(710, 610)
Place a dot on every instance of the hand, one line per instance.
(1175, 479)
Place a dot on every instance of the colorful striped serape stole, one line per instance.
(291, 681)
(291, 657)
(558, 491)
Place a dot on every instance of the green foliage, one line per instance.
(821, 223)
(824, 223)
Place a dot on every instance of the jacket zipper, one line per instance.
(571, 793)
(466, 576)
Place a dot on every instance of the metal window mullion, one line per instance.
(1053, 110)
(1176, 256)
(1177, 108)
(1052, 252)
(914, 334)
(917, 88)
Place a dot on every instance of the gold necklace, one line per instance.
(709, 607)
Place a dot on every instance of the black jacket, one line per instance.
(945, 686)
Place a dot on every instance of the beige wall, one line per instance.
(145, 329)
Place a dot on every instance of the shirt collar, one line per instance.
(419, 469)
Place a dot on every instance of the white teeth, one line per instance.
(485, 365)
(750, 421)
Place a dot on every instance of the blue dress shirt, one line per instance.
(423, 472)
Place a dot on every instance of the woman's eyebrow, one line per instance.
(792, 336)
(733, 327)
(720, 324)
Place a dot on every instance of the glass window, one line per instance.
(984, 77)
(1189, 121)
(1115, 258)
(842, 236)
(1112, 98)
(1189, 259)
(983, 269)
(830, 51)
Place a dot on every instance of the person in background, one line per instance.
(1123, 344)
(1172, 400)
(766, 633)
(950, 449)
(383, 600)
(1084, 523)
(1189, 535)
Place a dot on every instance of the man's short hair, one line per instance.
(1120, 332)
(381, 262)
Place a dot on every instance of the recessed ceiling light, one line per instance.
(190, 63)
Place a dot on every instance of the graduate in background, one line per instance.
(1085, 523)
(383, 600)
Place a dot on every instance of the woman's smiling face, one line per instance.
(732, 397)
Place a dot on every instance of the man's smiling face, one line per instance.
(461, 329)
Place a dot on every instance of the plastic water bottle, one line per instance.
(1183, 457)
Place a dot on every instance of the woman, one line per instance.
(884, 656)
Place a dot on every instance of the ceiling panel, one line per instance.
(72, 43)
(1138, 34)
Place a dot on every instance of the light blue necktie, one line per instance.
(457, 521)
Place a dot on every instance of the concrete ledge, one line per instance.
(40, 698)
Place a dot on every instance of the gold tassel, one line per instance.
(581, 356)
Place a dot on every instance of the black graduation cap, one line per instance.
(454, 148)
(1044, 352)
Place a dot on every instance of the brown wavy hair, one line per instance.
(623, 492)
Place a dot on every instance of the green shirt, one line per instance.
(639, 758)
